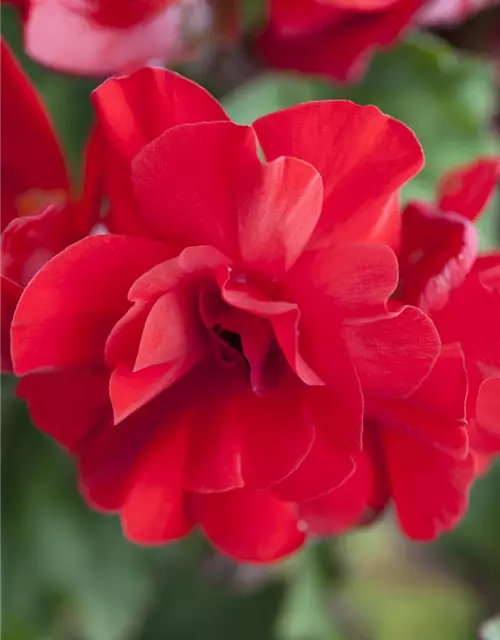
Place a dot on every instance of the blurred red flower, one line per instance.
(420, 451)
(337, 38)
(39, 215)
(211, 372)
(103, 37)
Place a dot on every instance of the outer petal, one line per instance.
(437, 252)
(154, 512)
(430, 488)
(81, 43)
(345, 507)
(248, 526)
(67, 311)
(67, 404)
(472, 318)
(133, 111)
(202, 189)
(435, 413)
(31, 156)
(363, 156)
(107, 458)
(393, 354)
(10, 294)
(467, 190)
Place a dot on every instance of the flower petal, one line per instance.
(67, 311)
(67, 404)
(467, 190)
(247, 525)
(277, 218)
(430, 488)
(154, 510)
(10, 294)
(31, 154)
(202, 189)
(393, 354)
(436, 254)
(363, 156)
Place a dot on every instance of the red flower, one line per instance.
(209, 373)
(102, 37)
(39, 217)
(337, 38)
(433, 428)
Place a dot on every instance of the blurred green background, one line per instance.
(68, 574)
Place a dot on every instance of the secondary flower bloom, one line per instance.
(337, 38)
(433, 428)
(112, 36)
(39, 216)
(211, 372)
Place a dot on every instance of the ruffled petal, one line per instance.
(247, 525)
(67, 311)
(363, 156)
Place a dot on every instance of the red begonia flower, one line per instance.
(102, 37)
(39, 215)
(337, 38)
(225, 337)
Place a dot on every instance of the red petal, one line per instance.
(472, 318)
(393, 354)
(343, 508)
(67, 404)
(430, 488)
(133, 111)
(131, 390)
(435, 412)
(154, 511)
(351, 280)
(10, 294)
(67, 311)
(467, 190)
(202, 189)
(192, 262)
(272, 435)
(326, 466)
(363, 156)
(488, 415)
(278, 215)
(29, 242)
(81, 43)
(248, 526)
(437, 252)
(31, 154)
(172, 330)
